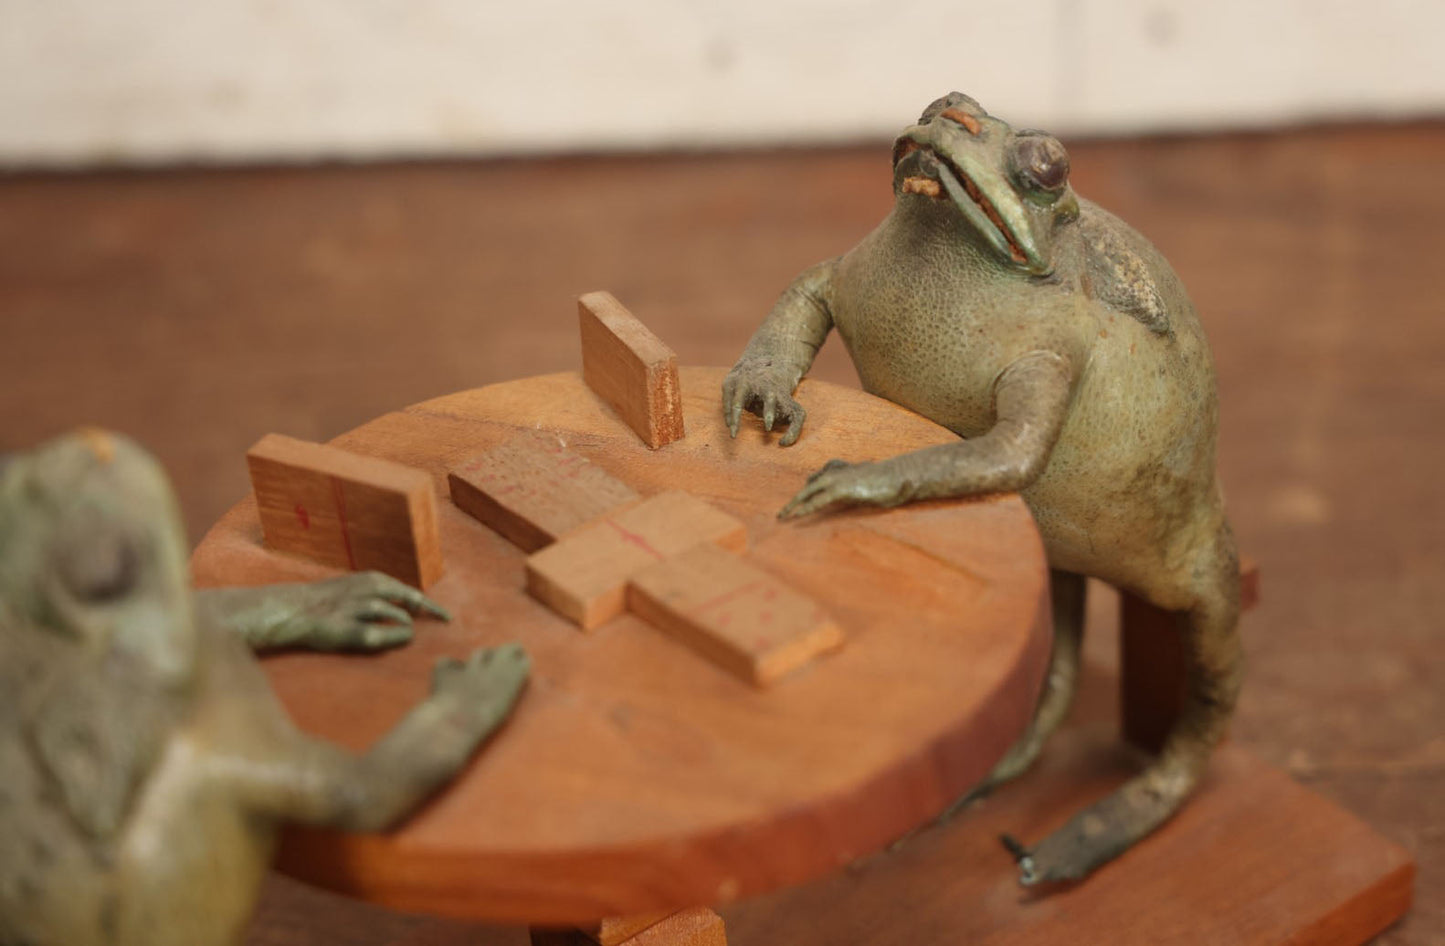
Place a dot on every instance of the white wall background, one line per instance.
(97, 82)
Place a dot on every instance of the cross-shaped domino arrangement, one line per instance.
(671, 558)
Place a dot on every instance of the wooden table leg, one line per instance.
(696, 927)
(1151, 663)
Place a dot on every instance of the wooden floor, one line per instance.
(198, 310)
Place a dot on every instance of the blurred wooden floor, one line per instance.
(197, 310)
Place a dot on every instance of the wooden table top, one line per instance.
(636, 776)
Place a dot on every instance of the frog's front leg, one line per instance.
(779, 354)
(1031, 399)
(359, 611)
(302, 779)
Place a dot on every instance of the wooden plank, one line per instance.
(738, 616)
(584, 575)
(532, 489)
(346, 510)
(1254, 859)
(630, 368)
(696, 927)
(616, 931)
(1151, 663)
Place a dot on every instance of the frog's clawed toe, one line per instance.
(1022, 857)
(1065, 856)
(1041, 867)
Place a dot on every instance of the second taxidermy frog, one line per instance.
(1061, 346)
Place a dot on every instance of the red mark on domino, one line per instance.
(336, 491)
(303, 517)
(632, 538)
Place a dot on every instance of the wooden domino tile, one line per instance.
(616, 931)
(583, 575)
(531, 490)
(733, 613)
(696, 927)
(630, 368)
(346, 510)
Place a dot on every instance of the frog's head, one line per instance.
(92, 550)
(1011, 186)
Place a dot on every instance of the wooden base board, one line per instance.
(1254, 859)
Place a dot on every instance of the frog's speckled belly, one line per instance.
(916, 342)
(1129, 492)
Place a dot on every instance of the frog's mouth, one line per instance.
(948, 178)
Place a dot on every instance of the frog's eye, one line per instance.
(100, 566)
(1040, 162)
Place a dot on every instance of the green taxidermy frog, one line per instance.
(147, 765)
(1058, 343)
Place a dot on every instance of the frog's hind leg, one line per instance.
(1067, 593)
(1106, 829)
(1067, 596)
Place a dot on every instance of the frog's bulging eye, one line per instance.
(1040, 162)
(102, 567)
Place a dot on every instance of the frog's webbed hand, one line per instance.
(1031, 399)
(359, 611)
(779, 354)
(315, 782)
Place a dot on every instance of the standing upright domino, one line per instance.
(630, 368)
(346, 510)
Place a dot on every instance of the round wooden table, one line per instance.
(635, 776)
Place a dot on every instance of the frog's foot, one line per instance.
(360, 611)
(1106, 828)
(763, 388)
(850, 484)
(486, 684)
(1072, 852)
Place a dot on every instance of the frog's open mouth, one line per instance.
(979, 210)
